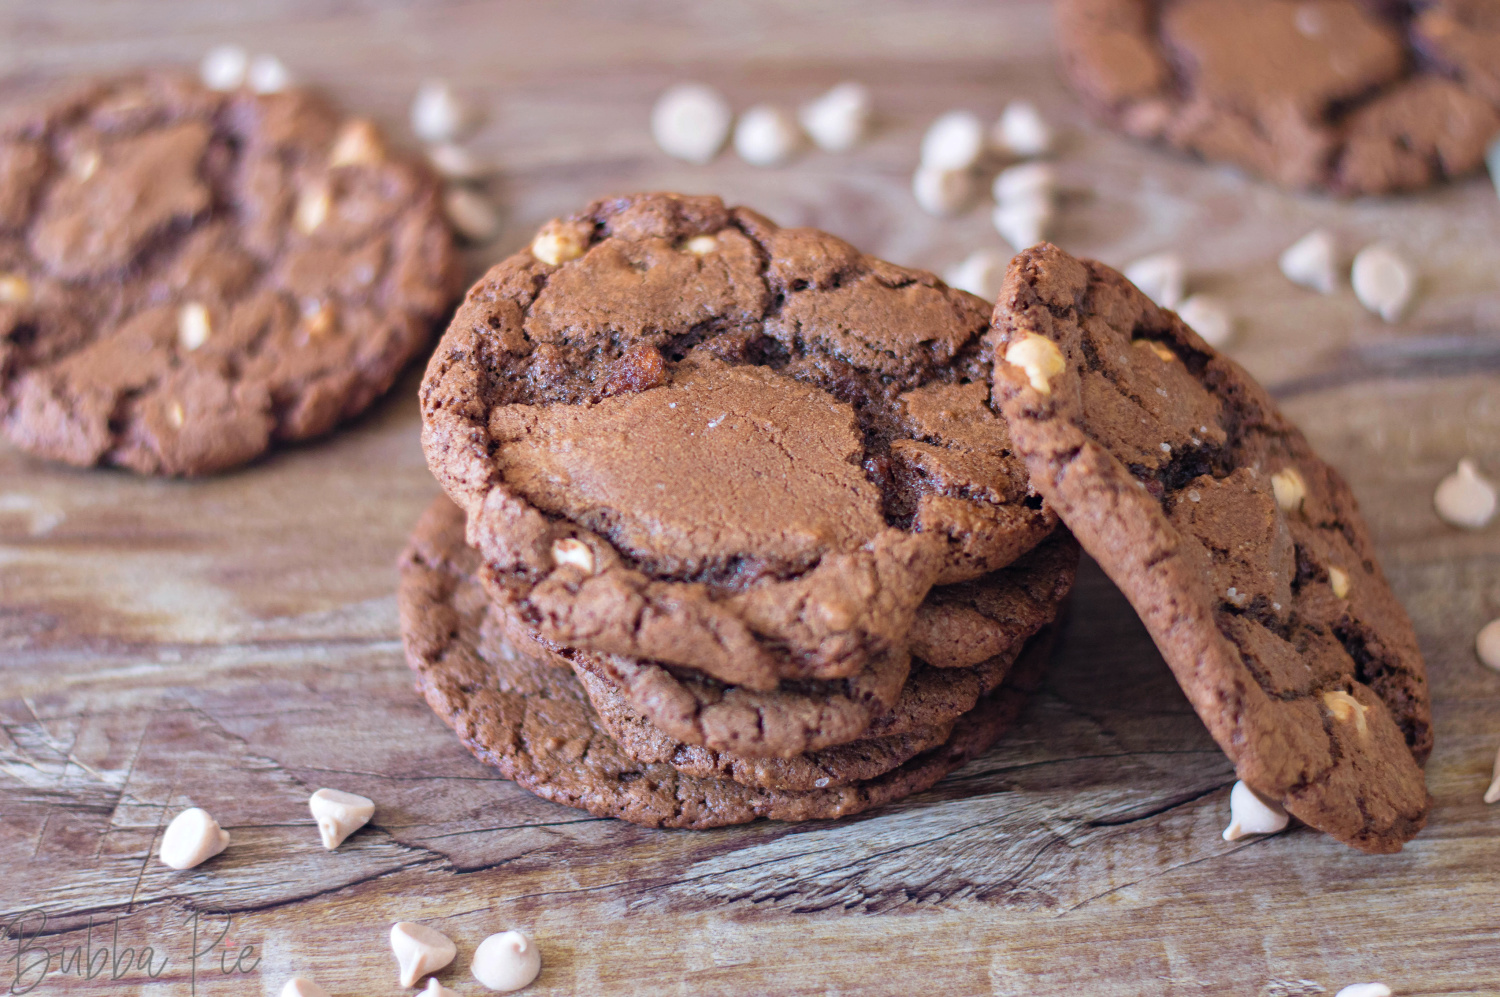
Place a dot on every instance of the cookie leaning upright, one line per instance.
(683, 434)
(1242, 551)
(187, 276)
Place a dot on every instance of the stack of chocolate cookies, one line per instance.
(731, 530)
(743, 523)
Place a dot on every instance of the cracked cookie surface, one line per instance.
(970, 634)
(1242, 551)
(188, 277)
(534, 723)
(683, 434)
(1353, 96)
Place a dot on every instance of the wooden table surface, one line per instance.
(232, 643)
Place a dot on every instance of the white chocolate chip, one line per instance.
(1345, 708)
(299, 986)
(471, 214)
(942, 192)
(438, 114)
(1025, 180)
(313, 206)
(193, 326)
(359, 143)
(267, 74)
(767, 136)
(192, 838)
(1383, 281)
(1022, 131)
(339, 814)
(954, 141)
(1492, 795)
(318, 317)
(691, 121)
(1487, 645)
(176, 415)
(981, 273)
(420, 950)
(1312, 261)
(1338, 580)
(1161, 350)
(1209, 317)
(1024, 222)
(701, 245)
(1251, 813)
(85, 164)
(1289, 488)
(14, 289)
(1465, 497)
(1162, 277)
(455, 162)
(1365, 990)
(558, 241)
(507, 961)
(436, 989)
(838, 120)
(1039, 357)
(223, 68)
(575, 552)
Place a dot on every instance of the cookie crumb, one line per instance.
(1289, 488)
(954, 141)
(1162, 277)
(1487, 645)
(1383, 281)
(1465, 497)
(942, 191)
(690, 122)
(1209, 317)
(838, 120)
(420, 950)
(191, 839)
(506, 961)
(558, 241)
(438, 114)
(1039, 357)
(570, 550)
(1251, 813)
(1022, 131)
(193, 326)
(1312, 262)
(223, 68)
(767, 136)
(339, 814)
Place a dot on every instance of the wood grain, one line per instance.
(232, 643)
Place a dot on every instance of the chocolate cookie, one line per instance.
(811, 716)
(534, 723)
(685, 435)
(1354, 97)
(1242, 551)
(188, 276)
